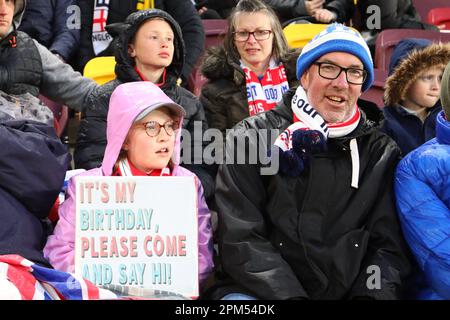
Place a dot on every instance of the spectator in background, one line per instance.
(183, 11)
(149, 47)
(412, 91)
(422, 187)
(251, 71)
(28, 67)
(53, 24)
(322, 11)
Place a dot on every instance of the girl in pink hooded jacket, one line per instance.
(142, 140)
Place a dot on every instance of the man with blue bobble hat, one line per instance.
(324, 226)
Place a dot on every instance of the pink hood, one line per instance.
(128, 100)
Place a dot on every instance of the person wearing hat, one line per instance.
(422, 188)
(143, 140)
(324, 226)
(412, 91)
(149, 47)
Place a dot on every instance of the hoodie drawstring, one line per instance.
(354, 153)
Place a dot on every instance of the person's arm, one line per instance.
(425, 217)
(205, 172)
(205, 243)
(343, 9)
(215, 109)
(66, 37)
(60, 246)
(386, 264)
(61, 83)
(184, 12)
(246, 253)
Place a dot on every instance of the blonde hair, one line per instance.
(279, 47)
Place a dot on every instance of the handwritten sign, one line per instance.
(138, 232)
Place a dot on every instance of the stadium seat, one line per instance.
(387, 39)
(215, 30)
(424, 6)
(299, 34)
(440, 16)
(100, 69)
(376, 91)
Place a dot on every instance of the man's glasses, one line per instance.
(153, 128)
(258, 35)
(331, 71)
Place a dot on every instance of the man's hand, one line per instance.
(325, 16)
(313, 5)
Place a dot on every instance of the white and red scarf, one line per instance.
(126, 168)
(307, 118)
(100, 37)
(264, 94)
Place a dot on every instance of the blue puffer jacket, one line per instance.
(53, 24)
(422, 187)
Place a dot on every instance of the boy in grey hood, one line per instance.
(28, 67)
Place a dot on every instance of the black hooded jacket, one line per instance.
(312, 236)
(182, 11)
(91, 141)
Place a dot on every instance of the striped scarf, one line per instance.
(307, 118)
(100, 37)
(264, 94)
(126, 168)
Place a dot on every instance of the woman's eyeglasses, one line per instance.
(258, 35)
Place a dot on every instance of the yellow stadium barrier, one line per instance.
(298, 35)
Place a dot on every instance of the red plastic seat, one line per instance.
(376, 91)
(424, 6)
(440, 16)
(387, 40)
(215, 30)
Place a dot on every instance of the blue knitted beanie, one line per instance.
(337, 38)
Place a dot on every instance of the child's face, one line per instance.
(424, 92)
(151, 152)
(153, 47)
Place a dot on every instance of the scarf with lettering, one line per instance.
(126, 168)
(100, 37)
(264, 94)
(307, 118)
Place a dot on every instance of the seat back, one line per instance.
(376, 91)
(424, 6)
(215, 30)
(440, 16)
(298, 35)
(388, 39)
(100, 69)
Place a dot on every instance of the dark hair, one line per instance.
(280, 45)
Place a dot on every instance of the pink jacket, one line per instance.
(127, 101)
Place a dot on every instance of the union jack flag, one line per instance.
(21, 279)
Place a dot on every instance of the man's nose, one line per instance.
(341, 80)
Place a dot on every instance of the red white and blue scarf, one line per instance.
(264, 94)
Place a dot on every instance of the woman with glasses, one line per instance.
(143, 140)
(149, 47)
(251, 71)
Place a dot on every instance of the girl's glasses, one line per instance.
(153, 128)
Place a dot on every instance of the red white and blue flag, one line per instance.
(21, 279)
